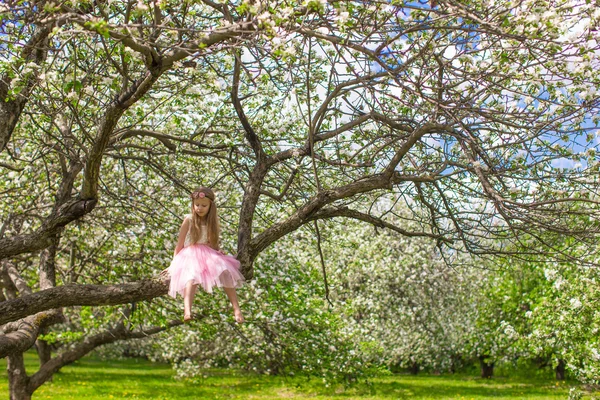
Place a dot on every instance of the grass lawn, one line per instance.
(91, 378)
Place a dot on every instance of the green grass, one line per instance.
(91, 378)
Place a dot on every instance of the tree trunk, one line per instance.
(414, 368)
(487, 369)
(47, 271)
(456, 363)
(542, 362)
(47, 264)
(43, 350)
(17, 378)
(560, 370)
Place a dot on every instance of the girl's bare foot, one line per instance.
(187, 318)
(239, 318)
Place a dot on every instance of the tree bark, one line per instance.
(47, 264)
(43, 350)
(17, 378)
(455, 363)
(251, 195)
(81, 295)
(36, 51)
(19, 336)
(255, 181)
(414, 368)
(47, 272)
(560, 370)
(487, 368)
(15, 277)
(9, 290)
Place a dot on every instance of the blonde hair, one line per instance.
(211, 219)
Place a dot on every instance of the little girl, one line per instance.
(197, 259)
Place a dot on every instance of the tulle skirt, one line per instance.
(204, 266)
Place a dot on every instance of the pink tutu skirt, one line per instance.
(204, 266)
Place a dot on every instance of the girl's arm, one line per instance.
(185, 227)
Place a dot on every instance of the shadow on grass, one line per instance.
(446, 387)
(93, 378)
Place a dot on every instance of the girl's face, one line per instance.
(201, 206)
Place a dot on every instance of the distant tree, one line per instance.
(406, 307)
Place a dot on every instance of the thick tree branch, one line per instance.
(304, 214)
(251, 135)
(166, 140)
(9, 288)
(16, 278)
(106, 127)
(252, 189)
(409, 143)
(251, 194)
(220, 35)
(81, 295)
(35, 51)
(47, 268)
(42, 238)
(21, 335)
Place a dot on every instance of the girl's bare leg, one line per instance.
(188, 299)
(239, 318)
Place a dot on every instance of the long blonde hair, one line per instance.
(211, 219)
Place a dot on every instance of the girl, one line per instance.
(197, 259)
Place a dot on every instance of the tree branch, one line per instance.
(21, 335)
(36, 51)
(88, 344)
(81, 295)
(305, 213)
(42, 238)
(375, 221)
(251, 135)
(10, 290)
(16, 278)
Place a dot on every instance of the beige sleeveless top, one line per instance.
(203, 234)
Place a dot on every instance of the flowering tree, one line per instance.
(508, 293)
(468, 112)
(565, 322)
(404, 305)
(545, 312)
